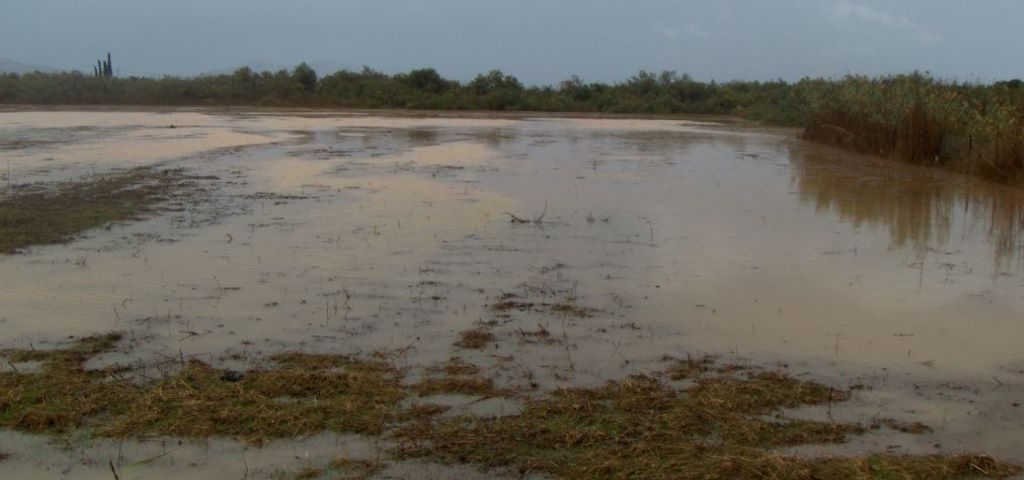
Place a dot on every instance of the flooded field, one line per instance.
(582, 250)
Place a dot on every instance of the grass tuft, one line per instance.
(349, 468)
(475, 339)
(691, 367)
(455, 366)
(466, 385)
(915, 428)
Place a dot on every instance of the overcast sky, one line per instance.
(540, 41)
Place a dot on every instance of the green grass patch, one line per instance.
(45, 215)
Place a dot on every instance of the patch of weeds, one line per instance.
(642, 428)
(465, 385)
(682, 369)
(572, 310)
(509, 305)
(541, 335)
(41, 216)
(353, 469)
(341, 468)
(923, 467)
(60, 397)
(567, 309)
(424, 410)
(455, 366)
(327, 361)
(761, 393)
(303, 394)
(915, 428)
(474, 339)
(553, 268)
(306, 473)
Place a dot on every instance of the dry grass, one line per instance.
(720, 428)
(349, 468)
(690, 367)
(341, 468)
(303, 394)
(455, 366)
(307, 473)
(64, 394)
(561, 309)
(56, 215)
(465, 385)
(915, 428)
(475, 339)
(275, 403)
(423, 410)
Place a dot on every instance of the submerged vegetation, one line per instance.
(301, 394)
(40, 215)
(722, 427)
(475, 339)
(727, 423)
(969, 127)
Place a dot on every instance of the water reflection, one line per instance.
(921, 208)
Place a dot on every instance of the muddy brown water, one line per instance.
(355, 233)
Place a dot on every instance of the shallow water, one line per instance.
(357, 233)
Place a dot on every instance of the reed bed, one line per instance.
(970, 128)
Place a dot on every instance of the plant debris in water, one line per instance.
(563, 309)
(41, 216)
(455, 366)
(903, 426)
(341, 468)
(462, 384)
(475, 339)
(691, 367)
(722, 427)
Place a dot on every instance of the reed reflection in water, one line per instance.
(920, 208)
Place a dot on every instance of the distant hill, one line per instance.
(12, 66)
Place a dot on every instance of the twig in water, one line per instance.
(516, 219)
(539, 218)
(113, 470)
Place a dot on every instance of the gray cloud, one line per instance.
(846, 11)
(538, 40)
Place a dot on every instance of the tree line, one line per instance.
(976, 128)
